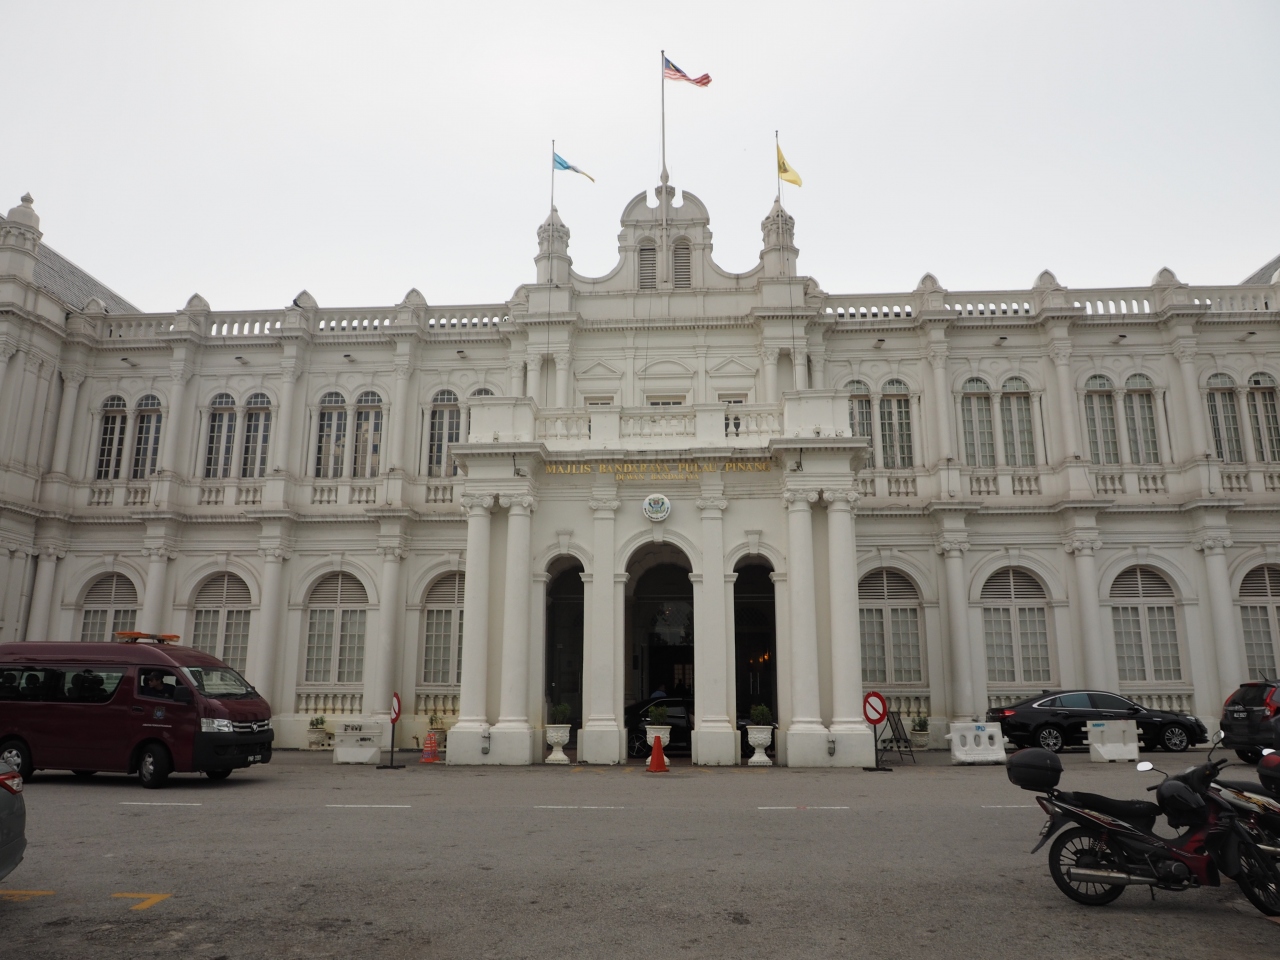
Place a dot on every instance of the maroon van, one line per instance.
(153, 708)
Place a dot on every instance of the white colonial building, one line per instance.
(1051, 488)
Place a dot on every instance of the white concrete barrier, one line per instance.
(976, 743)
(358, 742)
(1112, 740)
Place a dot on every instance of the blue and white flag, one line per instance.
(560, 163)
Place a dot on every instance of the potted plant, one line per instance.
(317, 735)
(920, 733)
(657, 726)
(558, 731)
(760, 735)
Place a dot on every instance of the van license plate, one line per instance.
(256, 758)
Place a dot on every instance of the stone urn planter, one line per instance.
(653, 730)
(919, 740)
(317, 737)
(760, 738)
(557, 737)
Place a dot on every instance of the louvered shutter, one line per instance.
(1012, 584)
(1261, 581)
(225, 589)
(682, 266)
(648, 262)
(446, 592)
(338, 588)
(112, 590)
(886, 585)
(1140, 583)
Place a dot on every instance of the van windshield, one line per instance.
(220, 683)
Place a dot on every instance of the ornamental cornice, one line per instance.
(1212, 544)
(1082, 546)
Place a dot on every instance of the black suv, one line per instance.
(1251, 719)
(1056, 720)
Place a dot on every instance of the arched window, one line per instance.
(1146, 631)
(647, 263)
(860, 416)
(222, 436)
(975, 413)
(337, 609)
(482, 392)
(146, 447)
(110, 605)
(1260, 617)
(889, 617)
(1224, 418)
(331, 436)
(1100, 417)
(111, 439)
(895, 425)
(1140, 419)
(368, 438)
(442, 630)
(257, 436)
(1015, 414)
(682, 266)
(446, 418)
(221, 625)
(1015, 623)
(1262, 414)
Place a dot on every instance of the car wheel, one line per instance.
(637, 745)
(217, 774)
(1250, 755)
(1050, 738)
(84, 774)
(1174, 738)
(154, 766)
(17, 755)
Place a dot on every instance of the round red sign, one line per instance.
(874, 708)
(395, 708)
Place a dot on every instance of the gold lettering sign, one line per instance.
(648, 471)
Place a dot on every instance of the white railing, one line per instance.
(1178, 700)
(1006, 698)
(134, 328)
(250, 495)
(101, 496)
(562, 424)
(1234, 299)
(865, 486)
(439, 491)
(658, 422)
(1151, 481)
(1108, 484)
(1272, 482)
(909, 703)
(989, 305)
(901, 485)
(983, 485)
(435, 704)
(212, 494)
(324, 493)
(329, 703)
(239, 324)
(137, 495)
(1233, 482)
(743, 421)
(872, 307)
(1026, 484)
(354, 321)
(363, 493)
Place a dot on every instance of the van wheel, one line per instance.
(84, 774)
(154, 766)
(217, 774)
(17, 755)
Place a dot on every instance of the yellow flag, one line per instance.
(786, 171)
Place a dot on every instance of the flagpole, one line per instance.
(553, 174)
(662, 79)
(776, 148)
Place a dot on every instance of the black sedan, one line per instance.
(679, 718)
(1056, 720)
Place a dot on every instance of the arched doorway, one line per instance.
(565, 595)
(659, 639)
(755, 639)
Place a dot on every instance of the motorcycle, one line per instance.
(1257, 805)
(1112, 845)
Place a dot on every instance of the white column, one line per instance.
(962, 697)
(42, 593)
(715, 729)
(515, 376)
(1100, 671)
(1061, 354)
(90, 470)
(598, 740)
(473, 697)
(877, 434)
(533, 376)
(562, 380)
(1037, 427)
(819, 359)
(18, 417)
(770, 356)
(512, 735)
(398, 424)
(130, 441)
(997, 426)
(1185, 350)
(1122, 427)
(1246, 425)
(39, 416)
(7, 350)
(800, 366)
(855, 743)
(1227, 641)
(260, 668)
(806, 736)
(380, 677)
(349, 442)
(941, 400)
(237, 444)
(1163, 443)
(66, 419)
(151, 618)
(281, 453)
(176, 427)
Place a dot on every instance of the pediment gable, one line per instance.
(732, 367)
(599, 370)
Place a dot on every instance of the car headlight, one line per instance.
(209, 725)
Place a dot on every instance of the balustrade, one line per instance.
(249, 495)
(1108, 484)
(101, 495)
(1234, 481)
(1026, 484)
(669, 422)
(363, 493)
(329, 702)
(558, 424)
(1152, 481)
(901, 484)
(983, 485)
(137, 495)
(1177, 700)
(435, 704)
(324, 493)
(212, 494)
(439, 491)
(909, 703)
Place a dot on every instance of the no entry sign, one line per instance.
(395, 708)
(874, 708)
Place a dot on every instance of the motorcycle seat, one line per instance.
(1244, 785)
(1140, 813)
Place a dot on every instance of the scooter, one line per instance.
(1257, 805)
(1113, 847)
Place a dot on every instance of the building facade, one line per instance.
(674, 477)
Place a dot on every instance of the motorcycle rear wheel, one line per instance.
(1079, 847)
(1259, 880)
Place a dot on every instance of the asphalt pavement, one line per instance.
(301, 858)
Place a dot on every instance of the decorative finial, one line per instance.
(27, 199)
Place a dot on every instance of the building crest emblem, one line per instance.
(656, 507)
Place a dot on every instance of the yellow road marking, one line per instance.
(148, 899)
(22, 896)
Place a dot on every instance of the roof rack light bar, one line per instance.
(133, 636)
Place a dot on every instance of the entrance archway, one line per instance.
(565, 595)
(659, 637)
(755, 639)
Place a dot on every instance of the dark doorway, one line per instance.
(755, 639)
(662, 631)
(564, 641)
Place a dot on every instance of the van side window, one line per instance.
(40, 684)
(158, 684)
(9, 689)
(86, 685)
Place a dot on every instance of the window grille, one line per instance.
(889, 615)
(331, 434)
(979, 437)
(336, 605)
(368, 435)
(442, 628)
(895, 425)
(111, 604)
(1140, 419)
(1100, 418)
(1224, 419)
(1015, 413)
(1145, 632)
(222, 616)
(221, 437)
(1261, 621)
(1263, 417)
(444, 428)
(1016, 628)
(111, 439)
(257, 436)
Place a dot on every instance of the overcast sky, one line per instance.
(250, 150)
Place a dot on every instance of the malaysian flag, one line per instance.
(671, 72)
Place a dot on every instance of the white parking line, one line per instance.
(370, 806)
(550, 806)
(143, 803)
(802, 808)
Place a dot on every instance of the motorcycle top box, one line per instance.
(1269, 773)
(1034, 769)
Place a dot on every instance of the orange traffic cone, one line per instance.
(657, 762)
